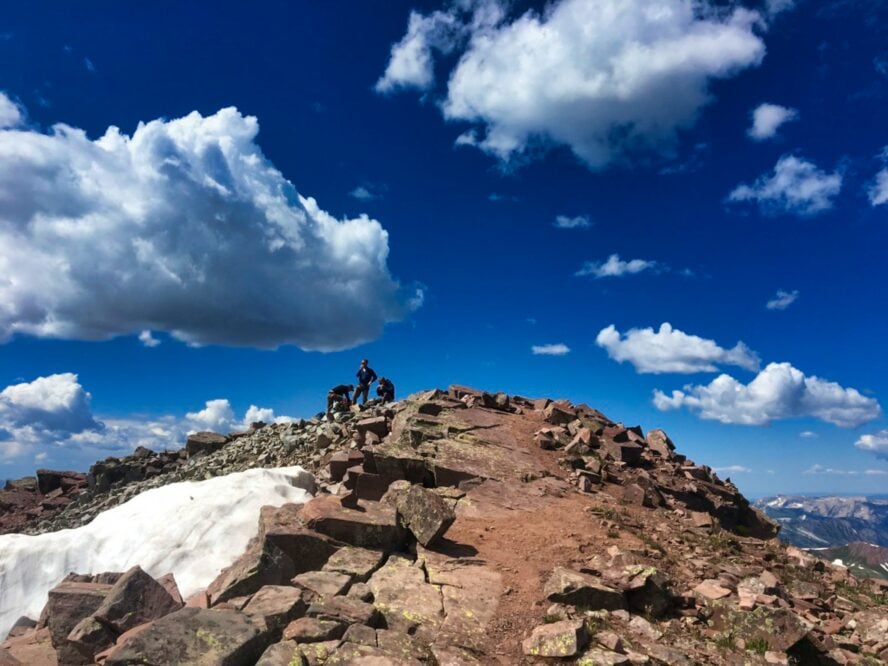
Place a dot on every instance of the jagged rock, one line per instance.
(134, 599)
(378, 425)
(403, 596)
(361, 634)
(375, 525)
(90, 637)
(359, 563)
(68, 604)
(193, 636)
(285, 653)
(284, 528)
(401, 645)
(273, 606)
(201, 443)
(659, 442)
(322, 583)
(558, 415)
(577, 589)
(263, 563)
(313, 630)
(425, 514)
(648, 593)
(340, 462)
(559, 639)
(49, 480)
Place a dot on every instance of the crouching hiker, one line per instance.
(385, 390)
(338, 398)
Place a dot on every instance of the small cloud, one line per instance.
(876, 443)
(808, 434)
(559, 349)
(362, 193)
(576, 222)
(615, 267)
(148, 340)
(782, 300)
(732, 469)
(796, 187)
(531, 320)
(820, 470)
(467, 138)
(495, 197)
(767, 119)
(89, 65)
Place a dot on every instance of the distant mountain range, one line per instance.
(851, 529)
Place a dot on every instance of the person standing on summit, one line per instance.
(366, 376)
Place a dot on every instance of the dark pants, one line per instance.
(387, 395)
(362, 389)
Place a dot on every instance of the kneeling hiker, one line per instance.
(385, 390)
(338, 396)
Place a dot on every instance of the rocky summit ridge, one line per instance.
(459, 527)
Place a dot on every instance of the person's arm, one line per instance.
(372, 376)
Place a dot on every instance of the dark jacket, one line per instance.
(342, 389)
(366, 376)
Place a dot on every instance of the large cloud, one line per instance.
(795, 187)
(10, 112)
(607, 78)
(184, 227)
(671, 350)
(780, 391)
(54, 411)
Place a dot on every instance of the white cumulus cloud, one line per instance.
(183, 227)
(575, 222)
(782, 299)
(10, 113)
(796, 186)
(767, 119)
(878, 190)
(780, 391)
(874, 443)
(55, 411)
(559, 349)
(606, 78)
(615, 267)
(671, 350)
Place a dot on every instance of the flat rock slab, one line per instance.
(323, 583)
(404, 598)
(313, 630)
(33, 649)
(274, 606)
(262, 563)
(710, 590)
(577, 589)
(193, 637)
(559, 639)
(285, 653)
(354, 654)
(344, 609)
(359, 563)
(371, 525)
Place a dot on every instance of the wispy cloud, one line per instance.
(821, 470)
(795, 187)
(89, 65)
(147, 339)
(615, 267)
(362, 193)
(782, 299)
(576, 222)
(559, 349)
(732, 469)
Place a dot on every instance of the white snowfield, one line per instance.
(193, 529)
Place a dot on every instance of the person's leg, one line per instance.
(331, 400)
(361, 391)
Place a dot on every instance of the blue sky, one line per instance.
(390, 185)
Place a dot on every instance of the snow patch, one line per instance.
(193, 529)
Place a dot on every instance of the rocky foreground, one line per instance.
(466, 528)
